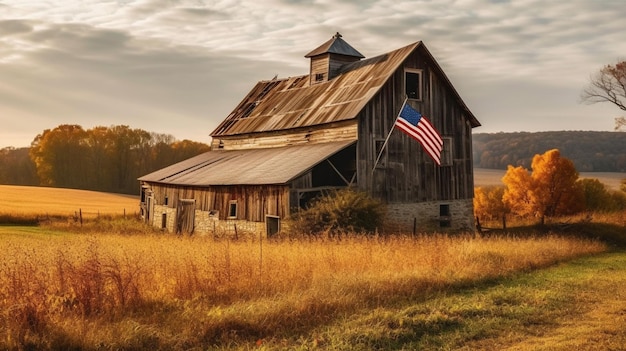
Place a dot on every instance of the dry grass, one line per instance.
(61, 291)
(41, 201)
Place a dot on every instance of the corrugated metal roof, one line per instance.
(246, 167)
(293, 102)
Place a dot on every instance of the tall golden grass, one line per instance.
(57, 291)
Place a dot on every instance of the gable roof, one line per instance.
(281, 104)
(246, 167)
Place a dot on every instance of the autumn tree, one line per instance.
(16, 167)
(550, 190)
(609, 85)
(59, 155)
(488, 204)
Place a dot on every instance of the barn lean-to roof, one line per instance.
(282, 104)
(246, 167)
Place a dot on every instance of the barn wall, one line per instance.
(405, 172)
(207, 224)
(253, 201)
(316, 134)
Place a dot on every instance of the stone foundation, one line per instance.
(431, 216)
(437, 216)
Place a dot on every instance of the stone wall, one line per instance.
(206, 223)
(426, 216)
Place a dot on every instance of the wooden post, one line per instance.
(478, 226)
(80, 215)
(414, 226)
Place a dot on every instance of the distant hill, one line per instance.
(590, 151)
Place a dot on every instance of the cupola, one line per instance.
(327, 59)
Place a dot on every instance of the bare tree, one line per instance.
(608, 85)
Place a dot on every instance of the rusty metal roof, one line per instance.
(282, 104)
(246, 167)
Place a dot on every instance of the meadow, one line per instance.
(115, 284)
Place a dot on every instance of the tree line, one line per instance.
(106, 159)
(589, 151)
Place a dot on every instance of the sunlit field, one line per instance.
(42, 201)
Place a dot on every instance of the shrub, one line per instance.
(340, 211)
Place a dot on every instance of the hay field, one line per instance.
(31, 200)
(485, 177)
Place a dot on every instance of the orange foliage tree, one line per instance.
(488, 204)
(550, 190)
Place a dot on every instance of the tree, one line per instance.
(597, 197)
(608, 85)
(550, 190)
(59, 156)
(488, 203)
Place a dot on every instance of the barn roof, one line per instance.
(281, 104)
(246, 167)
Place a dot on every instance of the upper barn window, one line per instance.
(413, 83)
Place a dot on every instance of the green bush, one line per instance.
(339, 212)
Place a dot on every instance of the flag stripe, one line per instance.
(420, 129)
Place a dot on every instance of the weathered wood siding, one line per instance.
(406, 173)
(346, 130)
(253, 201)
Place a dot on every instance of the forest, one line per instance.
(106, 159)
(590, 151)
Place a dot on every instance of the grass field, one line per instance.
(41, 201)
(484, 177)
(116, 284)
(105, 291)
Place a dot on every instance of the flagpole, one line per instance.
(388, 135)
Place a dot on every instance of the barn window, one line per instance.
(232, 209)
(413, 84)
(164, 221)
(165, 201)
(319, 77)
(446, 153)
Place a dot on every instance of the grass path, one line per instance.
(577, 305)
(597, 320)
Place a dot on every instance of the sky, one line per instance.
(180, 67)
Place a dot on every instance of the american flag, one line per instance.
(420, 129)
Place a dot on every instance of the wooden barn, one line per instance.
(293, 138)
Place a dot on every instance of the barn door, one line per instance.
(185, 216)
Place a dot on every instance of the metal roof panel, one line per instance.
(246, 167)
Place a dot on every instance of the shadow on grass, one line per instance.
(612, 234)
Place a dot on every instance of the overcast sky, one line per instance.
(180, 66)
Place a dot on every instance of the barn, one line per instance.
(291, 139)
